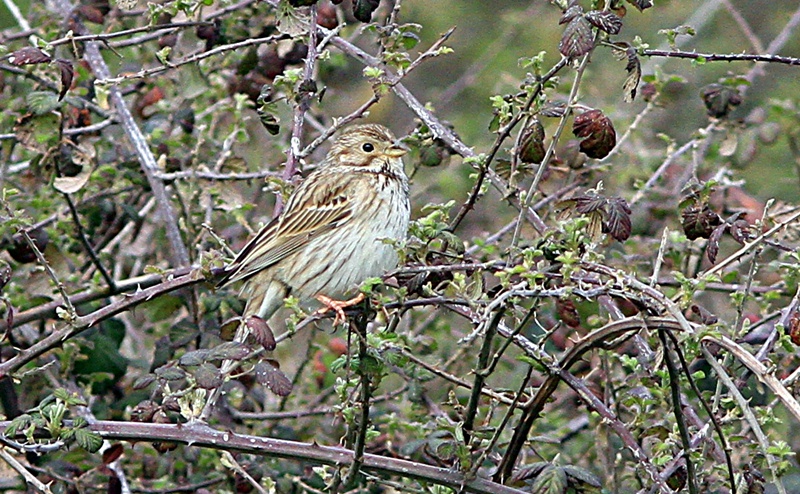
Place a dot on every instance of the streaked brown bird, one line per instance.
(329, 237)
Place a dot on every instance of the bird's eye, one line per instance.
(368, 147)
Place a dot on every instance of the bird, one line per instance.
(330, 236)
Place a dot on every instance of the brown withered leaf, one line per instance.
(28, 56)
(618, 219)
(720, 100)
(567, 313)
(624, 51)
(705, 316)
(67, 73)
(712, 249)
(261, 332)
(232, 350)
(577, 39)
(363, 9)
(208, 376)
(113, 453)
(90, 13)
(272, 377)
(598, 133)
(604, 21)
(793, 328)
(699, 222)
(589, 203)
(740, 231)
(641, 4)
(531, 146)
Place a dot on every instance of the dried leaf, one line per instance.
(27, 56)
(589, 203)
(67, 74)
(144, 381)
(208, 376)
(270, 376)
(363, 9)
(720, 100)
(634, 69)
(90, 13)
(170, 373)
(697, 222)
(232, 350)
(598, 131)
(641, 4)
(618, 221)
(195, 357)
(113, 453)
(261, 332)
(577, 39)
(740, 231)
(70, 185)
(712, 249)
(567, 313)
(531, 148)
(605, 21)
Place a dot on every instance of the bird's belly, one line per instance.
(346, 256)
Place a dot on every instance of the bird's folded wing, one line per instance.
(308, 214)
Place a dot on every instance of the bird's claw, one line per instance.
(338, 306)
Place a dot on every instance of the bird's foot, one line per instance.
(338, 306)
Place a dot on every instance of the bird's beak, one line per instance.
(397, 149)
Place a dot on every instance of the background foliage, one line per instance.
(622, 318)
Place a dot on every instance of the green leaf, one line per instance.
(41, 102)
(88, 440)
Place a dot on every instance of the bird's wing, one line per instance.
(310, 211)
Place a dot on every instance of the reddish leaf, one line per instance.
(261, 332)
(633, 67)
(699, 223)
(113, 453)
(5, 274)
(605, 21)
(589, 203)
(531, 148)
(144, 411)
(641, 4)
(90, 13)
(270, 376)
(794, 328)
(706, 317)
(208, 376)
(577, 39)
(712, 249)
(720, 100)
(598, 131)
(573, 12)
(740, 231)
(27, 56)
(567, 313)
(67, 74)
(232, 350)
(618, 222)
(363, 9)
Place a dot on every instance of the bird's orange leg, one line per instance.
(338, 306)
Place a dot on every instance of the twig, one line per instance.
(744, 406)
(30, 479)
(718, 57)
(146, 159)
(82, 323)
(88, 246)
(200, 435)
(680, 419)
